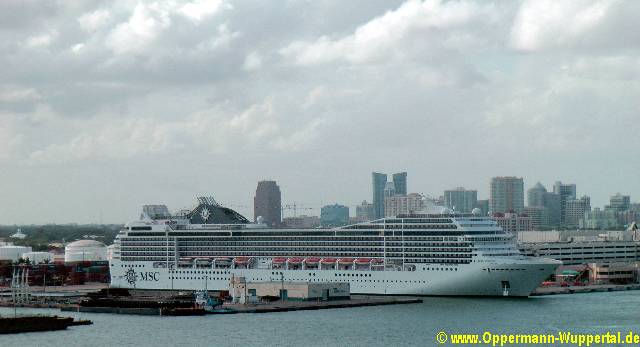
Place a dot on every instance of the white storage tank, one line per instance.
(85, 250)
(13, 253)
(38, 257)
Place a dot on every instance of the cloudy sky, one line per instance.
(108, 105)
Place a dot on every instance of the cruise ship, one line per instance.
(447, 253)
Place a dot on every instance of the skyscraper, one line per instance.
(378, 182)
(544, 203)
(575, 210)
(389, 190)
(506, 194)
(268, 203)
(461, 199)
(364, 212)
(535, 195)
(400, 183)
(619, 202)
(566, 192)
(399, 204)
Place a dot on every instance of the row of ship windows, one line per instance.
(317, 244)
(307, 250)
(244, 240)
(378, 254)
(412, 260)
(313, 280)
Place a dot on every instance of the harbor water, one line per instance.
(396, 325)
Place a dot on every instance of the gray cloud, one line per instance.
(123, 103)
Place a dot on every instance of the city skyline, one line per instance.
(313, 208)
(108, 106)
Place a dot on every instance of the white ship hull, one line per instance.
(496, 277)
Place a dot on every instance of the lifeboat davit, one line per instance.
(312, 260)
(346, 260)
(328, 260)
(295, 260)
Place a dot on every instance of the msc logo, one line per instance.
(148, 276)
(130, 276)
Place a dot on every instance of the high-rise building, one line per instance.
(400, 183)
(382, 188)
(566, 192)
(364, 212)
(398, 204)
(537, 215)
(378, 181)
(334, 215)
(389, 190)
(460, 199)
(552, 210)
(538, 197)
(513, 222)
(506, 195)
(619, 202)
(267, 203)
(575, 210)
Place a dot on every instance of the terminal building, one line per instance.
(599, 258)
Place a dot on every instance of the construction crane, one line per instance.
(295, 207)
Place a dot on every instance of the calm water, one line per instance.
(414, 325)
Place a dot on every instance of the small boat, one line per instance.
(345, 260)
(37, 323)
(242, 259)
(363, 260)
(295, 260)
(279, 260)
(312, 260)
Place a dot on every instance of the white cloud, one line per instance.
(214, 131)
(252, 62)
(201, 9)
(92, 21)
(41, 41)
(142, 28)
(11, 94)
(542, 24)
(381, 35)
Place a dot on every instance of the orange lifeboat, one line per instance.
(363, 260)
(242, 259)
(345, 260)
(279, 260)
(312, 260)
(222, 259)
(328, 260)
(295, 260)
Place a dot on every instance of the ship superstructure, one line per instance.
(412, 254)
